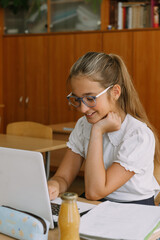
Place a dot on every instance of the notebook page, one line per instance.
(119, 221)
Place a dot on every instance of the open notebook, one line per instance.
(110, 220)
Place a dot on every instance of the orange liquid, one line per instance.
(68, 221)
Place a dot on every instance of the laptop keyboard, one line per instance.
(55, 211)
(55, 208)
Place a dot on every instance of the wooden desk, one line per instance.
(62, 130)
(33, 144)
(63, 127)
(53, 234)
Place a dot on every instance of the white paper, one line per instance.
(110, 220)
(82, 206)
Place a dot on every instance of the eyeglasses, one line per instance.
(89, 101)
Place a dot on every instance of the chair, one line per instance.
(29, 129)
(32, 129)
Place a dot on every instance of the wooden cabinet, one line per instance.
(36, 78)
(61, 58)
(14, 86)
(36, 68)
(146, 72)
(79, 15)
(87, 42)
(119, 43)
(53, 16)
(26, 78)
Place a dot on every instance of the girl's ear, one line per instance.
(116, 92)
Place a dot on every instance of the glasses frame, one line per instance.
(80, 99)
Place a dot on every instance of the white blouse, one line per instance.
(132, 147)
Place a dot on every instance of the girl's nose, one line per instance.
(83, 108)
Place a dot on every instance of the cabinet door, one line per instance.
(146, 65)
(119, 43)
(61, 58)
(13, 70)
(86, 42)
(36, 78)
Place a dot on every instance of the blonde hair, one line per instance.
(107, 70)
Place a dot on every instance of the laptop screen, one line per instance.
(23, 183)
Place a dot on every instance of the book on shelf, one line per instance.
(155, 6)
(134, 14)
(120, 15)
(155, 16)
(110, 220)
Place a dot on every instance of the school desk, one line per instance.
(33, 144)
(54, 233)
(61, 131)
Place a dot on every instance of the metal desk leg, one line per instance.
(47, 165)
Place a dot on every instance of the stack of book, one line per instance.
(131, 14)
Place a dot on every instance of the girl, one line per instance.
(114, 137)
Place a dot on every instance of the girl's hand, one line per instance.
(53, 189)
(110, 123)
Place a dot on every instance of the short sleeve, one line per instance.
(76, 138)
(136, 152)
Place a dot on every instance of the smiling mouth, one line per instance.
(89, 114)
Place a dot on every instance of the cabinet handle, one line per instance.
(21, 99)
(27, 100)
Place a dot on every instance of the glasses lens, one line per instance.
(90, 101)
(74, 101)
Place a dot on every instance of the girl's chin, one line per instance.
(93, 120)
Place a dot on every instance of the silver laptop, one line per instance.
(23, 183)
